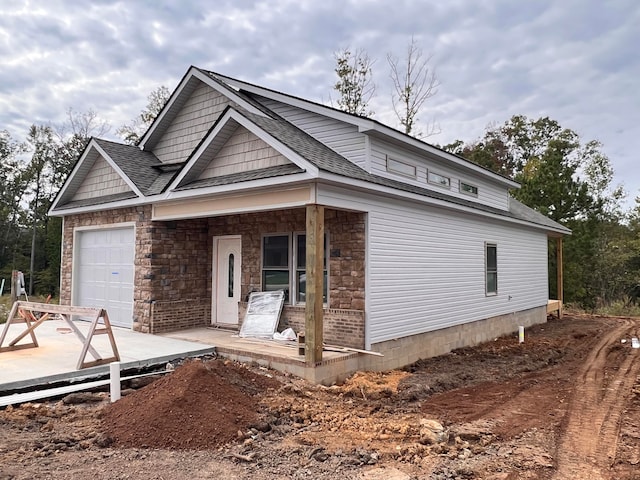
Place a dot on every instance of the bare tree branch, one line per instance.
(414, 82)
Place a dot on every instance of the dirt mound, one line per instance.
(199, 406)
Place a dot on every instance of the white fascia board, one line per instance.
(380, 129)
(193, 72)
(288, 180)
(361, 185)
(74, 172)
(129, 202)
(115, 166)
(93, 145)
(253, 128)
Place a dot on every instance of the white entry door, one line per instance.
(103, 272)
(226, 287)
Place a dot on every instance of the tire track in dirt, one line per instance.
(587, 446)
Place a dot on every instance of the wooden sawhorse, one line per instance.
(23, 312)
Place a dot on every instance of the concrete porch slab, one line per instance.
(56, 357)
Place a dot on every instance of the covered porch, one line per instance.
(201, 271)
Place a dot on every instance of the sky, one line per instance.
(575, 61)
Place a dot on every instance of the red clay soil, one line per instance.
(564, 405)
(201, 405)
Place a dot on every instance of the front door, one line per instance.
(226, 282)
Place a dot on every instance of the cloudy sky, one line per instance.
(576, 61)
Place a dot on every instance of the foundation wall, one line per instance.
(346, 233)
(405, 351)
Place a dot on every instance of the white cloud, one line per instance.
(574, 61)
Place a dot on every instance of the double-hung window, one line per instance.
(301, 263)
(275, 264)
(491, 268)
(284, 266)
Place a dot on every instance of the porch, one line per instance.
(283, 356)
(198, 272)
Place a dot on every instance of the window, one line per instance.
(402, 168)
(301, 274)
(279, 253)
(468, 188)
(491, 268)
(438, 179)
(230, 280)
(275, 264)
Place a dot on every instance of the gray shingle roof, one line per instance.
(142, 167)
(86, 202)
(261, 173)
(330, 161)
(152, 177)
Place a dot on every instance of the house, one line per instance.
(379, 240)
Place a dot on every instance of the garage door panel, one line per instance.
(105, 272)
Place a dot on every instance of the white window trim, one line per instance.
(290, 263)
(397, 172)
(294, 277)
(439, 184)
(293, 264)
(486, 269)
(464, 192)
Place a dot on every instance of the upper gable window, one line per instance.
(468, 189)
(438, 179)
(401, 168)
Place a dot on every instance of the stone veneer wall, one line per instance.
(172, 279)
(141, 216)
(173, 266)
(346, 232)
(179, 276)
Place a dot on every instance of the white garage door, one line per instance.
(104, 269)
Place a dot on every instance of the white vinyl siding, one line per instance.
(244, 151)
(199, 113)
(339, 136)
(489, 193)
(426, 266)
(101, 180)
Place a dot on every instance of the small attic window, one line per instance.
(401, 168)
(438, 179)
(468, 189)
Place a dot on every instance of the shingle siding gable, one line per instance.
(190, 125)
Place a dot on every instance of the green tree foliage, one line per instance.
(355, 84)
(31, 174)
(12, 185)
(570, 181)
(132, 132)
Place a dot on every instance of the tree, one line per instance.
(414, 82)
(355, 83)
(571, 182)
(12, 184)
(40, 169)
(72, 137)
(132, 133)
